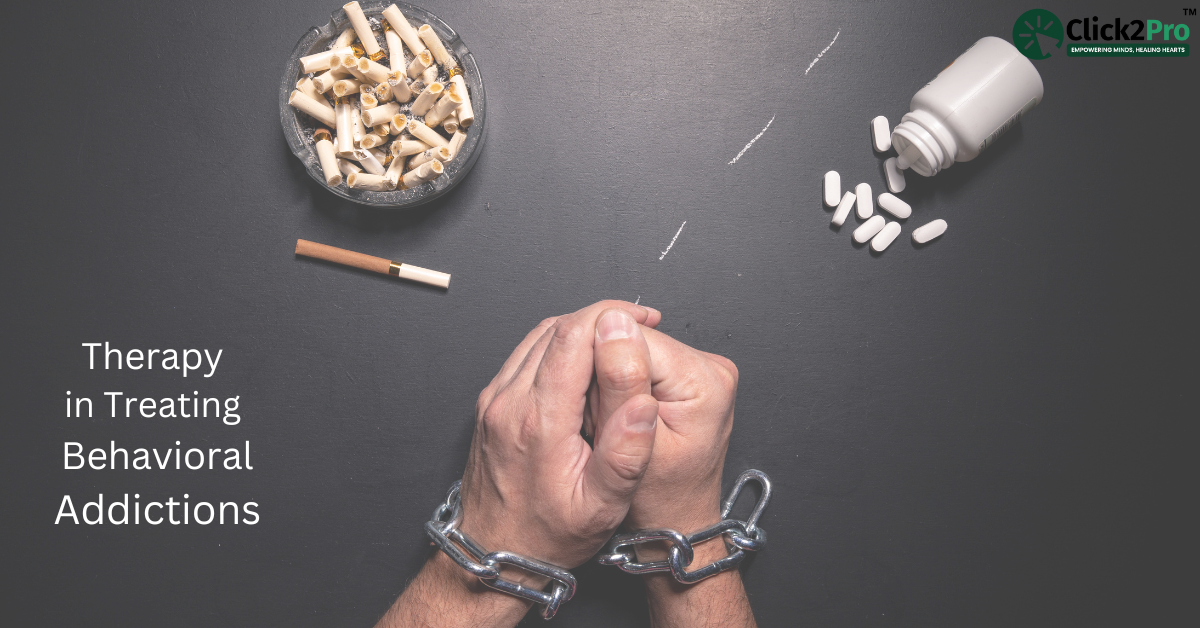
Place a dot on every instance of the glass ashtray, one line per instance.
(298, 127)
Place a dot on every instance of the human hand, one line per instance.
(696, 391)
(532, 484)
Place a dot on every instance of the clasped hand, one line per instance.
(658, 415)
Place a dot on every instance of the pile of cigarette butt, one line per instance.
(387, 103)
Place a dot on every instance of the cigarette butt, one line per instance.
(372, 263)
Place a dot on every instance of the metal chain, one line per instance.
(443, 530)
(743, 536)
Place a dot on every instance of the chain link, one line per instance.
(744, 536)
(442, 528)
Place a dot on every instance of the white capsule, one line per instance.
(881, 134)
(885, 237)
(865, 206)
(929, 231)
(868, 229)
(833, 188)
(843, 208)
(894, 206)
(895, 176)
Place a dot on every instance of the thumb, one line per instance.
(622, 451)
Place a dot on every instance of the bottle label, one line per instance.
(1008, 124)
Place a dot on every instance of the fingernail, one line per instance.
(643, 418)
(615, 324)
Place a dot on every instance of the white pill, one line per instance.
(894, 206)
(895, 176)
(929, 231)
(868, 229)
(843, 209)
(865, 206)
(885, 237)
(881, 134)
(833, 188)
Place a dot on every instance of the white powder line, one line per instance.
(664, 253)
(814, 61)
(639, 300)
(747, 147)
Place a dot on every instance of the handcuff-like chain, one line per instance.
(743, 536)
(443, 529)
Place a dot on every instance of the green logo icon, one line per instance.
(1037, 33)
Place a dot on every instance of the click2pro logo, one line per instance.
(1037, 33)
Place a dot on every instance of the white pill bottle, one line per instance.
(966, 107)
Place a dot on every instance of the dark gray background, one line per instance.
(992, 430)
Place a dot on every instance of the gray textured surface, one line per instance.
(989, 430)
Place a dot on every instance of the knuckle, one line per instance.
(625, 374)
(726, 371)
(569, 332)
(627, 466)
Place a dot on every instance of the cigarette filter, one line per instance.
(363, 29)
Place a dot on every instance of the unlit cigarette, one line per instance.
(305, 85)
(434, 42)
(329, 167)
(372, 263)
(440, 153)
(363, 29)
(466, 115)
(381, 114)
(403, 28)
(320, 61)
(366, 181)
(419, 63)
(323, 113)
(427, 98)
(400, 89)
(456, 142)
(446, 104)
(426, 134)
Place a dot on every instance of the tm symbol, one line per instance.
(1187, 11)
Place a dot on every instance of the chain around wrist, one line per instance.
(742, 536)
(443, 530)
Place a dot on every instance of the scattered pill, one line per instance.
(885, 236)
(868, 229)
(833, 188)
(865, 206)
(881, 134)
(843, 208)
(895, 177)
(929, 231)
(894, 206)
